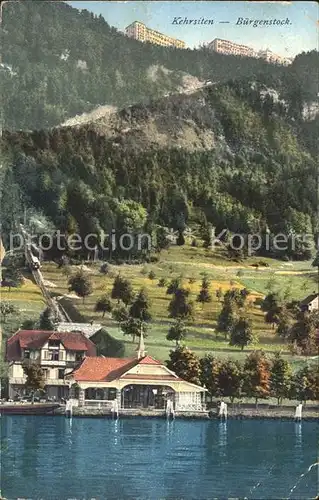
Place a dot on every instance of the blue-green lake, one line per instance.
(55, 458)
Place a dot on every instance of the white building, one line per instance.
(58, 353)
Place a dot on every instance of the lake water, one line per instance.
(54, 458)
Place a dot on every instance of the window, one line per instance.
(55, 356)
(54, 343)
(61, 374)
(26, 354)
(78, 356)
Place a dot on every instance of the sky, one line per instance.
(288, 40)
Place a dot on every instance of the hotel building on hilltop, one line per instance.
(231, 48)
(139, 31)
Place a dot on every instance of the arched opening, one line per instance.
(146, 396)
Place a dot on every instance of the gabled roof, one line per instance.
(148, 360)
(309, 299)
(35, 339)
(100, 369)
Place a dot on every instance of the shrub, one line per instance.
(151, 275)
(162, 282)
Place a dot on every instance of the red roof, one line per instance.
(35, 339)
(98, 369)
(148, 360)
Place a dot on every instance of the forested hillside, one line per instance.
(63, 62)
(228, 155)
(240, 154)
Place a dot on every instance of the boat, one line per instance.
(28, 408)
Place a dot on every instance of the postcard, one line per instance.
(159, 250)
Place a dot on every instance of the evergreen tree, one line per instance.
(179, 306)
(180, 239)
(47, 320)
(227, 317)
(204, 295)
(140, 308)
(207, 235)
(271, 307)
(173, 286)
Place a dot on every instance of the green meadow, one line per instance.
(294, 281)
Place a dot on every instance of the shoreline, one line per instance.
(233, 414)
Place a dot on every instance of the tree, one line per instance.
(35, 377)
(46, 321)
(134, 327)
(219, 294)
(13, 277)
(305, 384)
(207, 235)
(180, 239)
(280, 378)
(173, 286)
(209, 367)
(315, 263)
(270, 306)
(7, 309)
(241, 333)
(122, 290)
(140, 309)
(230, 378)
(161, 239)
(179, 306)
(29, 324)
(177, 332)
(120, 314)
(185, 364)
(227, 317)
(132, 215)
(285, 321)
(304, 332)
(81, 284)
(103, 305)
(256, 380)
(204, 295)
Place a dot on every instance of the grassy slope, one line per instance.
(28, 300)
(194, 262)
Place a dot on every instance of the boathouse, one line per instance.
(137, 382)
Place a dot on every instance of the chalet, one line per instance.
(310, 303)
(57, 353)
(136, 382)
